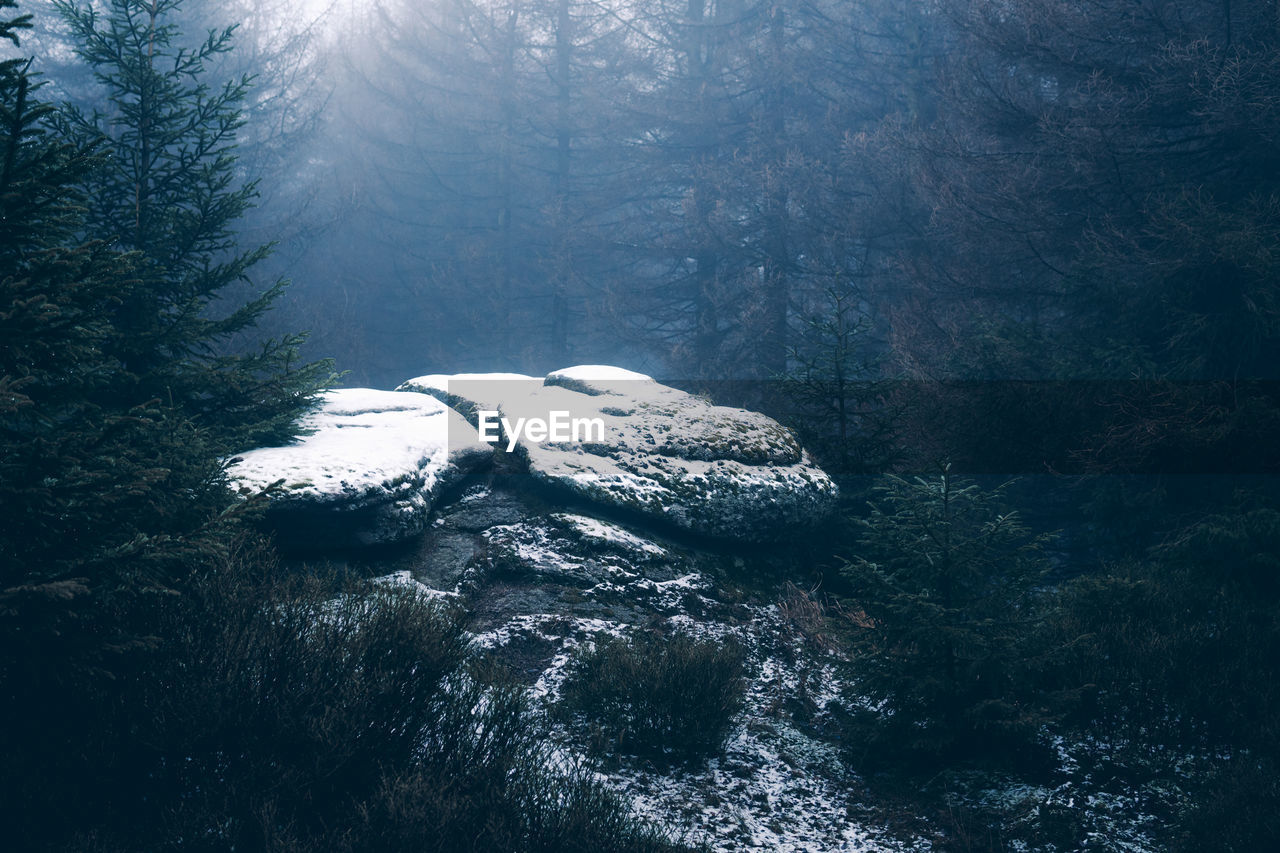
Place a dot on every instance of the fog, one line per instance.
(897, 378)
(689, 187)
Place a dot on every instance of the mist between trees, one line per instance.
(978, 191)
(1032, 237)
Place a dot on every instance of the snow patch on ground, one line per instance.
(773, 789)
(1096, 802)
(601, 558)
(406, 579)
(566, 633)
(600, 532)
(667, 597)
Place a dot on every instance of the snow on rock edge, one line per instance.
(369, 472)
(665, 454)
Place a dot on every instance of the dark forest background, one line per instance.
(948, 242)
(1028, 190)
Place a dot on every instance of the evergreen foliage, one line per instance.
(169, 190)
(1031, 190)
(112, 430)
(945, 597)
(842, 408)
(115, 409)
(95, 484)
(103, 500)
(1189, 633)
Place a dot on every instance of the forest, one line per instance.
(935, 348)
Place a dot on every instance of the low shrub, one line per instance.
(667, 697)
(294, 713)
(1238, 809)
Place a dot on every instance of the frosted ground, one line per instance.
(557, 580)
(551, 547)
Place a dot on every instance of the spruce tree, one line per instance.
(168, 190)
(946, 595)
(67, 465)
(840, 406)
(116, 412)
(115, 406)
(102, 502)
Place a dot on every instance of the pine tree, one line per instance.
(112, 484)
(840, 405)
(102, 502)
(65, 463)
(115, 409)
(946, 591)
(168, 190)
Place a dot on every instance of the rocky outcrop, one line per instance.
(369, 472)
(510, 555)
(538, 583)
(376, 462)
(632, 444)
(574, 549)
(535, 581)
(538, 574)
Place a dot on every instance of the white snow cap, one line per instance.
(440, 381)
(382, 451)
(597, 379)
(663, 453)
(363, 439)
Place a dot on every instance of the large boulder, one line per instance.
(630, 443)
(368, 473)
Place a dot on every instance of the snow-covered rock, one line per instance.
(472, 388)
(369, 471)
(595, 378)
(661, 453)
(571, 549)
